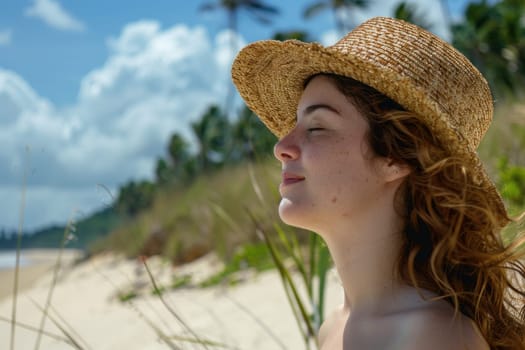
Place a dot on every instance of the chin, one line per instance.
(294, 215)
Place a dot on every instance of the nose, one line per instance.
(286, 148)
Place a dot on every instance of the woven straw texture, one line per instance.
(413, 67)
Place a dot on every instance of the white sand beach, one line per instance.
(35, 263)
(253, 314)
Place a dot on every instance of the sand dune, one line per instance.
(251, 315)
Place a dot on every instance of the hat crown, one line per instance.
(443, 76)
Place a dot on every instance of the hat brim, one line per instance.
(270, 76)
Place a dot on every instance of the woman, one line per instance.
(377, 141)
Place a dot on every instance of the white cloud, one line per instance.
(6, 36)
(52, 13)
(330, 37)
(431, 11)
(154, 82)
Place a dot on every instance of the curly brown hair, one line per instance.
(452, 242)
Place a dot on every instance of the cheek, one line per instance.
(348, 171)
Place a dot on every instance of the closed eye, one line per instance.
(315, 129)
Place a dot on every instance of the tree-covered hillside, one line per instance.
(77, 234)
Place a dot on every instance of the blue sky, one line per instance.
(91, 90)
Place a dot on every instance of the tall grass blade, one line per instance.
(121, 292)
(259, 322)
(312, 248)
(222, 214)
(311, 270)
(167, 338)
(71, 339)
(288, 283)
(18, 248)
(169, 308)
(324, 264)
(71, 330)
(208, 342)
(292, 249)
(150, 323)
(35, 329)
(289, 294)
(67, 232)
(156, 329)
(255, 184)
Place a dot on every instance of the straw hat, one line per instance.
(413, 67)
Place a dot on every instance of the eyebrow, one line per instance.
(312, 108)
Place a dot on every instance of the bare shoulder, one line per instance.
(332, 328)
(440, 328)
(429, 326)
(325, 328)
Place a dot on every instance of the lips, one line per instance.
(290, 178)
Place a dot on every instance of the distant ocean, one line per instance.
(8, 260)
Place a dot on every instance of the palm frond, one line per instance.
(314, 9)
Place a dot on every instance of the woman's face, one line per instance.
(329, 173)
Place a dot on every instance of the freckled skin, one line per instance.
(328, 148)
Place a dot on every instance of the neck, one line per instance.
(365, 253)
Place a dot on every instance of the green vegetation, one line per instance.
(512, 183)
(343, 23)
(85, 231)
(252, 255)
(135, 197)
(312, 268)
(408, 12)
(210, 213)
(181, 281)
(127, 296)
(223, 197)
(492, 36)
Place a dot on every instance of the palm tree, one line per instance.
(407, 12)
(259, 10)
(493, 38)
(341, 10)
(251, 139)
(162, 172)
(178, 150)
(292, 34)
(134, 197)
(213, 135)
(174, 169)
